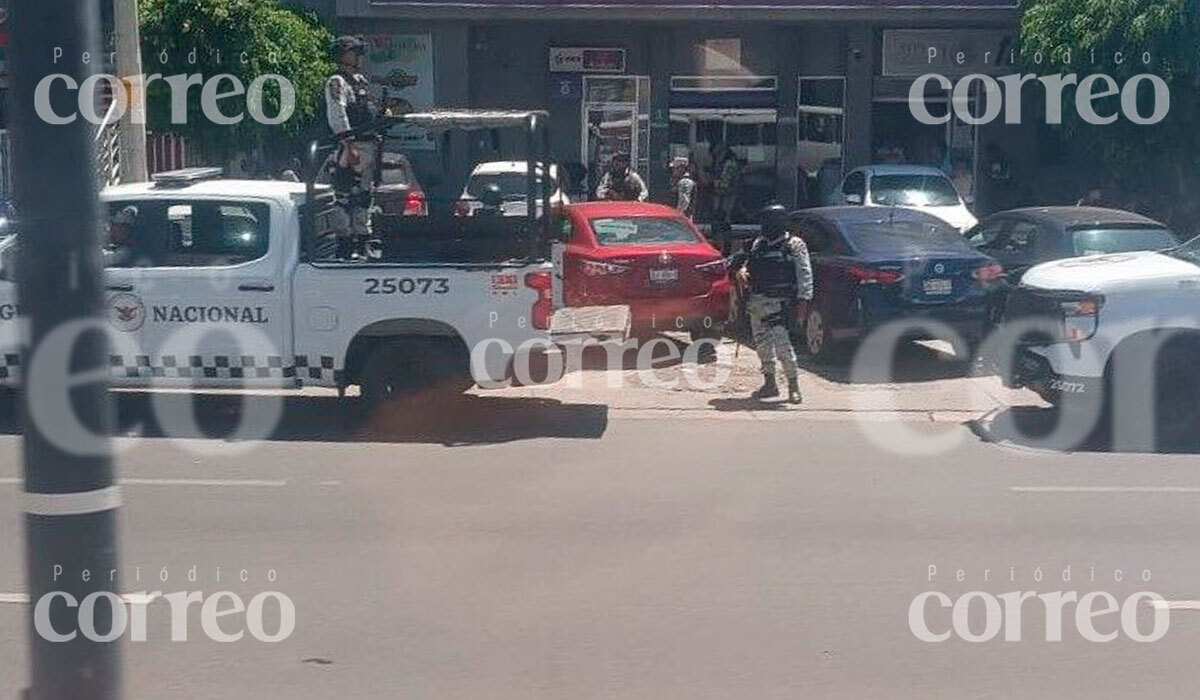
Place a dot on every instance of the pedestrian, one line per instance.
(726, 186)
(778, 276)
(683, 187)
(999, 178)
(354, 117)
(621, 183)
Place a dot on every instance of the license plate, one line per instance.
(665, 275)
(939, 287)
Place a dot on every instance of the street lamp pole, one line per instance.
(70, 499)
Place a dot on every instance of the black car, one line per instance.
(1022, 238)
(875, 265)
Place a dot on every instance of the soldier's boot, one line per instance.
(768, 390)
(794, 391)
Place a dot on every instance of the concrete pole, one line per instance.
(129, 63)
(71, 499)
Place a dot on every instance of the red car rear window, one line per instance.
(641, 230)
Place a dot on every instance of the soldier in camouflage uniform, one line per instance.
(778, 274)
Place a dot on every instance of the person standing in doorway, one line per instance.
(683, 187)
(621, 182)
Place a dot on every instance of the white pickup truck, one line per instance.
(218, 286)
(1120, 337)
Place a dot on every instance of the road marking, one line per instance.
(83, 503)
(142, 598)
(1104, 489)
(137, 481)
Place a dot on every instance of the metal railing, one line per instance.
(108, 149)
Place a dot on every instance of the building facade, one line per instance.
(798, 91)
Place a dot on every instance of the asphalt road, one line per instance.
(566, 553)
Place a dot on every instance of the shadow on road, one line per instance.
(751, 404)
(912, 363)
(436, 419)
(1035, 427)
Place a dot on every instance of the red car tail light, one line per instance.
(600, 268)
(462, 208)
(871, 275)
(415, 204)
(543, 308)
(988, 273)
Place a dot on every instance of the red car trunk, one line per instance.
(646, 256)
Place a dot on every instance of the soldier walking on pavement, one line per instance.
(778, 275)
(353, 114)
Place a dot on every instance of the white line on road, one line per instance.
(137, 481)
(1105, 489)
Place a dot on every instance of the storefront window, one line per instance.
(821, 136)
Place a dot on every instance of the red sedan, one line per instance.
(650, 257)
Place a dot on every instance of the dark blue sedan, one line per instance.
(874, 265)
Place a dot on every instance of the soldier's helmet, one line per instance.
(347, 44)
(773, 220)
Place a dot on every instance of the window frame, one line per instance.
(165, 204)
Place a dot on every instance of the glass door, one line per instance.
(616, 119)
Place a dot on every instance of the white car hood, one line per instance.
(1099, 273)
(957, 216)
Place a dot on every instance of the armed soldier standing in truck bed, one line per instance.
(353, 117)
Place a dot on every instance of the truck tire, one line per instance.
(1177, 392)
(395, 369)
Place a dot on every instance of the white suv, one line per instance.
(1114, 336)
(512, 178)
(911, 186)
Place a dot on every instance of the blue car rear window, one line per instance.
(902, 236)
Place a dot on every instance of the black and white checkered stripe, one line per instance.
(10, 367)
(319, 369)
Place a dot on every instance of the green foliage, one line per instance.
(244, 38)
(1095, 31)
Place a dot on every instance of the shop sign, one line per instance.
(914, 52)
(586, 60)
(400, 68)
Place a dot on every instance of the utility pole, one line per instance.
(129, 63)
(70, 498)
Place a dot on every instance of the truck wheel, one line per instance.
(1177, 392)
(397, 369)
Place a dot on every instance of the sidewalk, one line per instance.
(926, 383)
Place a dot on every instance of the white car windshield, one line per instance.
(510, 184)
(913, 191)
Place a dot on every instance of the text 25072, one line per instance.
(407, 285)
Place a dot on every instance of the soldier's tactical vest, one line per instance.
(772, 270)
(362, 109)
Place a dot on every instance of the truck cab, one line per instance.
(1112, 333)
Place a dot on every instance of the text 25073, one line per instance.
(407, 285)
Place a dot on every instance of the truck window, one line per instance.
(158, 233)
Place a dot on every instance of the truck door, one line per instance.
(207, 302)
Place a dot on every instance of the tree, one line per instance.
(1098, 34)
(246, 39)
